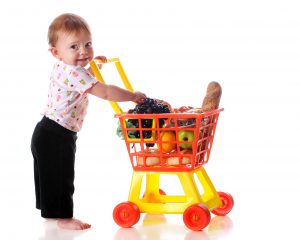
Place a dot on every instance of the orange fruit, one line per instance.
(168, 139)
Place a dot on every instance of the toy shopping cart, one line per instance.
(176, 144)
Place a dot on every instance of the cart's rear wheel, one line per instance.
(227, 201)
(196, 217)
(126, 214)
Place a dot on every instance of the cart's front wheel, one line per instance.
(126, 214)
(227, 202)
(196, 217)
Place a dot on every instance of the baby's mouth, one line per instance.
(83, 59)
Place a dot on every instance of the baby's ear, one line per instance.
(54, 52)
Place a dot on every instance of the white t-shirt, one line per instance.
(67, 97)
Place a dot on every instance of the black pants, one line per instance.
(53, 148)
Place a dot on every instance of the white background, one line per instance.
(170, 50)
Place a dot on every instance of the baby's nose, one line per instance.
(82, 50)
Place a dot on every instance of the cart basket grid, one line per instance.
(169, 142)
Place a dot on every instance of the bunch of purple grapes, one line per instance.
(147, 107)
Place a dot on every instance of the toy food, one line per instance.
(212, 98)
(146, 159)
(195, 110)
(148, 106)
(176, 160)
(182, 109)
(186, 136)
(168, 139)
(150, 161)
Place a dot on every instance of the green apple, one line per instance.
(186, 136)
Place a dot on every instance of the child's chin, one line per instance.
(82, 63)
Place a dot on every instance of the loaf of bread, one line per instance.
(212, 98)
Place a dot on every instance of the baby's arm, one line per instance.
(115, 93)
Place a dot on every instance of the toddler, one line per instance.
(53, 143)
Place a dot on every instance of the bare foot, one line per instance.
(72, 224)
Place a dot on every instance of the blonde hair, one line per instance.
(66, 23)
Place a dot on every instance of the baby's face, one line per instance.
(74, 49)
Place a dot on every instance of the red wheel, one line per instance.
(227, 201)
(126, 214)
(196, 217)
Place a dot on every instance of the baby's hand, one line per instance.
(102, 59)
(139, 97)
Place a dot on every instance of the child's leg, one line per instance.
(35, 166)
(54, 150)
(37, 185)
(55, 173)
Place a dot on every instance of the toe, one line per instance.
(85, 226)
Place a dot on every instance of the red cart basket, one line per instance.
(174, 142)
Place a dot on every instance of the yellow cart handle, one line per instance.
(96, 71)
